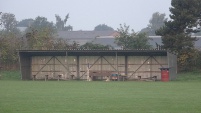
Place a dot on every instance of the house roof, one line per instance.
(158, 40)
(85, 34)
(106, 41)
(107, 38)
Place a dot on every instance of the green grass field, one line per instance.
(180, 96)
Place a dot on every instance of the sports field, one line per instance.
(18, 96)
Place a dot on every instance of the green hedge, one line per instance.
(189, 76)
(10, 75)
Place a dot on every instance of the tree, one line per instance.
(60, 24)
(41, 23)
(91, 45)
(103, 27)
(59, 43)
(155, 23)
(185, 17)
(131, 40)
(176, 33)
(40, 34)
(25, 23)
(9, 42)
(8, 22)
(39, 39)
(74, 45)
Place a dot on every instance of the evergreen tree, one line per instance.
(176, 34)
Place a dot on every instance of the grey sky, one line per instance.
(86, 14)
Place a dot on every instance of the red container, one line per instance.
(164, 74)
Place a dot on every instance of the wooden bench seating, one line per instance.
(153, 78)
(94, 74)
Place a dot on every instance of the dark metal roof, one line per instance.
(94, 52)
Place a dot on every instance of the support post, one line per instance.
(101, 67)
(126, 65)
(78, 67)
(117, 67)
(151, 73)
(66, 60)
(54, 67)
(34, 77)
(46, 77)
(59, 77)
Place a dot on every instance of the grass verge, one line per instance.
(189, 76)
(99, 97)
(10, 75)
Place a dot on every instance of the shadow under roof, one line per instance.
(91, 52)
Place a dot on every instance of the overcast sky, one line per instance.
(86, 14)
